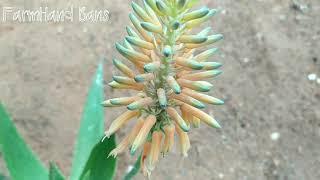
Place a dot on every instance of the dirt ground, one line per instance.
(271, 119)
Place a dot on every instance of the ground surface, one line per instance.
(270, 48)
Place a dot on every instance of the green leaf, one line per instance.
(20, 160)
(55, 173)
(99, 165)
(2, 177)
(92, 125)
(134, 170)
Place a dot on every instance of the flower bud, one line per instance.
(202, 116)
(173, 85)
(144, 77)
(139, 43)
(184, 141)
(143, 133)
(201, 86)
(211, 65)
(189, 63)
(201, 75)
(151, 27)
(203, 97)
(124, 100)
(195, 14)
(177, 118)
(123, 68)
(169, 138)
(120, 121)
(189, 100)
(162, 97)
(137, 24)
(123, 145)
(141, 103)
(204, 56)
(132, 54)
(155, 149)
(140, 12)
(151, 67)
(196, 39)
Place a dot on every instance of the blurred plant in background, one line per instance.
(89, 162)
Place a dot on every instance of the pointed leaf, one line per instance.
(20, 160)
(92, 125)
(99, 165)
(2, 177)
(55, 173)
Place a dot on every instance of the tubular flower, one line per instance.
(169, 66)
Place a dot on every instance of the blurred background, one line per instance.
(271, 86)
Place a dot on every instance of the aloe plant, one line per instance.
(171, 65)
(90, 157)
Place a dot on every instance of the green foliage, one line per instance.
(55, 173)
(90, 157)
(2, 177)
(92, 125)
(99, 166)
(20, 160)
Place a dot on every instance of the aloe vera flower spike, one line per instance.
(171, 65)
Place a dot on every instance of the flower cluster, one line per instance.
(170, 65)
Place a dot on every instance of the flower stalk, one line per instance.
(170, 72)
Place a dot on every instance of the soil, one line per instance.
(271, 119)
